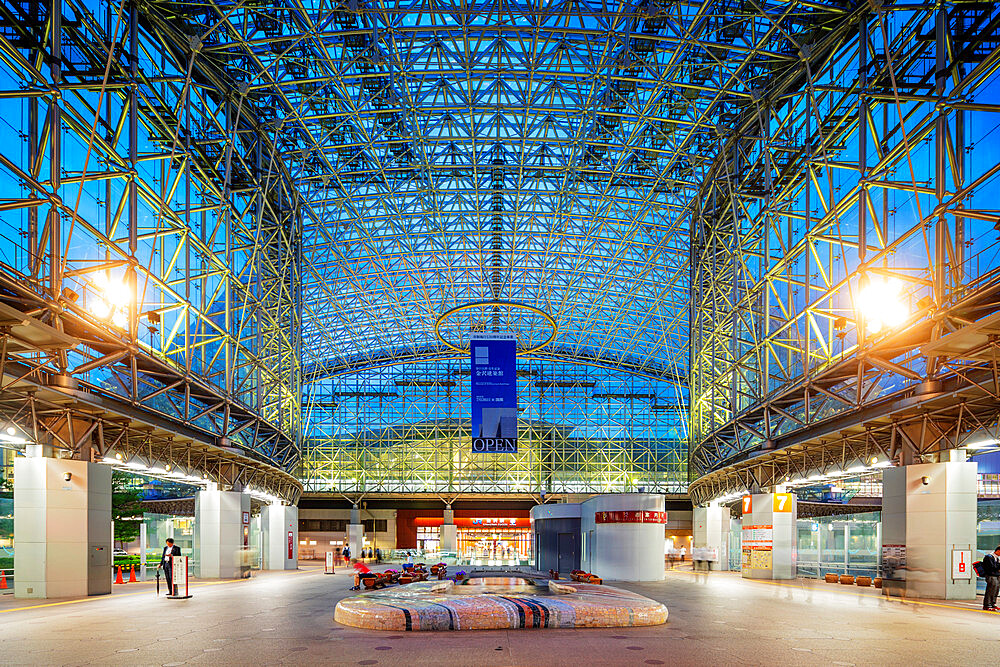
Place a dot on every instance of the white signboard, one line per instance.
(758, 536)
(179, 565)
(329, 563)
(961, 564)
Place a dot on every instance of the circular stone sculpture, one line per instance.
(494, 603)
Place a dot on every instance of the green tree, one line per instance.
(126, 505)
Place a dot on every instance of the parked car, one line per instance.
(119, 553)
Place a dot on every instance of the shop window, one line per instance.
(323, 525)
(376, 525)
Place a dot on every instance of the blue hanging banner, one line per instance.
(494, 394)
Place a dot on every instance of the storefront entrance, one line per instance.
(482, 541)
(491, 544)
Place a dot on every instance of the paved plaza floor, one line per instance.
(715, 619)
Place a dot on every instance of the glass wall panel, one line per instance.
(846, 544)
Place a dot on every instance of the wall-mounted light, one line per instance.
(925, 480)
(67, 476)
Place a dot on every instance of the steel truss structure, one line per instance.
(83, 421)
(501, 152)
(406, 429)
(853, 167)
(291, 195)
(146, 227)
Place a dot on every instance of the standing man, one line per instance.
(991, 563)
(166, 562)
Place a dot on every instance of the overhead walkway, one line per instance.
(172, 425)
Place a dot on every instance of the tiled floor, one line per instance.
(716, 619)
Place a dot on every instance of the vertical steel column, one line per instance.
(767, 218)
(109, 135)
(863, 111)
(256, 287)
(226, 211)
(958, 270)
(133, 129)
(34, 259)
(185, 172)
(807, 269)
(133, 191)
(940, 156)
(940, 151)
(55, 151)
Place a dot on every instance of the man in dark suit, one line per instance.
(991, 562)
(166, 562)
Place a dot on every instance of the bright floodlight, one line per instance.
(112, 299)
(880, 303)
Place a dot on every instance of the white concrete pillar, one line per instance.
(355, 533)
(219, 526)
(62, 528)
(711, 531)
(624, 536)
(280, 527)
(769, 535)
(928, 518)
(448, 534)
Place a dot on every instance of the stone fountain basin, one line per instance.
(493, 603)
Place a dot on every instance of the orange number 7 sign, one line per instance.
(747, 504)
(782, 502)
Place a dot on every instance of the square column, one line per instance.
(448, 534)
(219, 531)
(711, 531)
(769, 535)
(929, 521)
(356, 538)
(280, 526)
(62, 528)
(355, 533)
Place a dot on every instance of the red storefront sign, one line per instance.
(631, 516)
(475, 522)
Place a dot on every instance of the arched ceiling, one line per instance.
(445, 153)
(496, 154)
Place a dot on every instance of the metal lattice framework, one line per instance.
(456, 154)
(854, 165)
(144, 218)
(581, 430)
(294, 194)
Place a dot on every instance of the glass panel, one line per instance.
(846, 544)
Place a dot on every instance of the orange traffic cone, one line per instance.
(118, 579)
(131, 575)
(3, 580)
